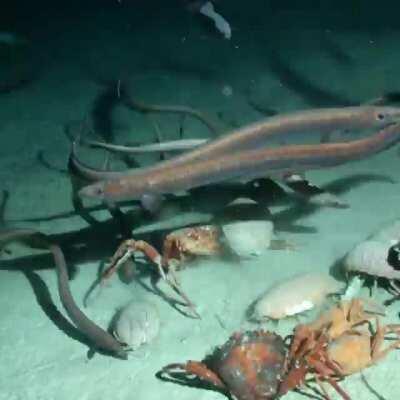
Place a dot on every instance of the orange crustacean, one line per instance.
(360, 348)
(248, 366)
(344, 316)
(340, 342)
(257, 365)
(179, 247)
(308, 355)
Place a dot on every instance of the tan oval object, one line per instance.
(294, 296)
(248, 238)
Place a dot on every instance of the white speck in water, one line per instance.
(227, 90)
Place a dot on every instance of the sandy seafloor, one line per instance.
(285, 60)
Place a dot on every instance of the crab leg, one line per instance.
(379, 338)
(321, 386)
(324, 373)
(198, 369)
(177, 288)
(128, 248)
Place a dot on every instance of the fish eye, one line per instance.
(380, 116)
(98, 191)
(92, 191)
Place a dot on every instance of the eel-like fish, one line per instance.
(98, 336)
(258, 135)
(247, 165)
(172, 145)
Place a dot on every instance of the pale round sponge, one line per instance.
(248, 238)
(370, 257)
(136, 324)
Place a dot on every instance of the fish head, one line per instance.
(385, 116)
(109, 191)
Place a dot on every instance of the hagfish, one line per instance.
(248, 164)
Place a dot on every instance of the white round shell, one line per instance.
(370, 257)
(137, 323)
(248, 238)
(294, 296)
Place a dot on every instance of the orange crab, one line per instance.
(346, 315)
(358, 349)
(183, 244)
(339, 343)
(179, 246)
(258, 366)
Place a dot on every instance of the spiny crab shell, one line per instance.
(193, 241)
(377, 256)
(250, 364)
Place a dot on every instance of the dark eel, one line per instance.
(100, 338)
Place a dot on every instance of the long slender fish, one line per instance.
(172, 145)
(248, 164)
(98, 336)
(258, 135)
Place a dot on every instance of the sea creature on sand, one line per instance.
(179, 246)
(183, 245)
(248, 366)
(96, 335)
(136, 324)
(248, 230)
(356, 350)
(296, 295)
(378, 255)
(257, 365)
(337, 344)
(248, 238)
(346, 314)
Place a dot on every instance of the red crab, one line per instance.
(248, 366)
